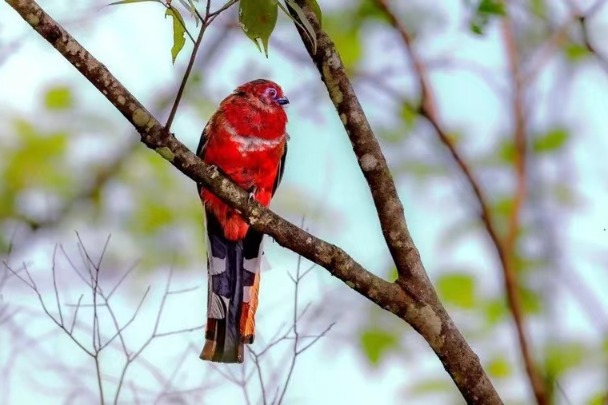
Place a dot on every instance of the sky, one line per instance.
(133, 41)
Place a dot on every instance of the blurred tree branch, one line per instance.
(513, 229)
(505, 247)
(412, 298)
(205, 22)
(465, 369)
(100, 178)
(101, 304)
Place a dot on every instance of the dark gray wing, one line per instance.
(281, 170)
(202, 143)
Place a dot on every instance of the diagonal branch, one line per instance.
(505, 248)
(428, 109)
(412, 300)
(206, 21)
(369, 155)
(412, 277)
(155, 137)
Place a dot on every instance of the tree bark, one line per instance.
(412, 298)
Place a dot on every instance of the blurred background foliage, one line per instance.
(69, 162)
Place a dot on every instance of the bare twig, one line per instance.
(428, 109)
(205, 22)
(583, 20)
(258, 368)
(285, 369)
(101, 177)
(505, 249)
(99, 300)
(520, 195)
(560, 35)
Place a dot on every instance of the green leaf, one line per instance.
(503, 206)
(346, 37)
(605, 346)
(486, 10)
(314, 6)
(495, 311)
(420, 169)
(258, 19)
(368, 10)
(25, 129)
(152, 215)
(506, 151)
(551, 141)
(376, 343)
(132, 1)
(36, 161)
(457, 289)
(561, 358)
(409, 115)
(499, 367)
(189, 5)
(531, 301)
(426, 387)
(598, 399)
(58, 98)
(392, 274)
(302, 21)
(491, 7)
(576, 52)
(179, 30)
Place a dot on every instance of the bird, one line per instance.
(246, 140)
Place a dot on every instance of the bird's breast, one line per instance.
(248, 144)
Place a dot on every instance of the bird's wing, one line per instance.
(200, 149)
(280, 170)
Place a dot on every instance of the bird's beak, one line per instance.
(283, 100)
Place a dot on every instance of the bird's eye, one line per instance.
(271, 92)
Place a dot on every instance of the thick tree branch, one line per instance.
(412, 277)
(155, 137)
(428, 109)
(413, 299)
(369, 155)
(504, 248)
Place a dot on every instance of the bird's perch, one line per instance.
(412, 298)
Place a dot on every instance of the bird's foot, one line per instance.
(214, 169)
(252, 192)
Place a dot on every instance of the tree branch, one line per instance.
(428, 109)
(506, 249)
(413, 299)
(369, 155)
(510, 245)
(412, 277)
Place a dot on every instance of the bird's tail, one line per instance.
(234, 279)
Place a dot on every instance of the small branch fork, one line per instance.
(300, 343)
(560, 35)
(412, 277)
(206, 21)
(514, 221)
(100, 299)
(505, 248)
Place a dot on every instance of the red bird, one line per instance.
(246, 140)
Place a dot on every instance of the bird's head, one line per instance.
(266, 91)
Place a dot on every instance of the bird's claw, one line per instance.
(252, 193)
(214, 169)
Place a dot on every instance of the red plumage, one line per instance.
(233, 145)
(246, 140)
